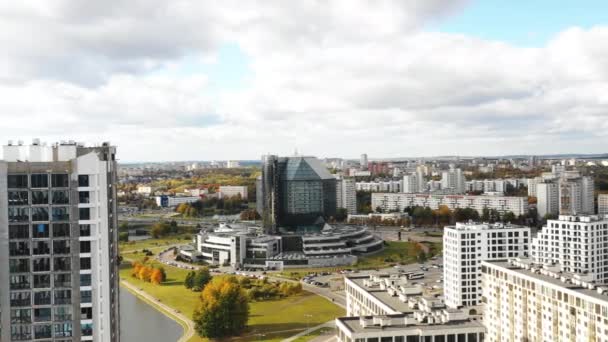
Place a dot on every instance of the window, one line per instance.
(63, 297)
(83, 197)
(40, 214)
(86, 329)
(86, 313)
(84, 213)
(40, 197)
(42, 281)
(18, 198)
(20, 248)
(40, 181)
(21, 316)
(85, 246)
(61, 214)
(42, 315)
(19, 232)
(17, 181)
(62, 264)
(60, 181)
(42, 298)
(63, 313)
(83, 180)
(63, 330)
(19, 265)
(21, 299)
(85, 263)
(85, 230)
(86, 296)
(61, 197)
(20, 282)
(85, 280)
(62, 280)
(42, 265)
(18, 214)
(41, 248)
(61, 230)
(61, 247)
(21, 332)
(40, 231)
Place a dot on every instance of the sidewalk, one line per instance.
(329, 324)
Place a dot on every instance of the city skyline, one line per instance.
(226, 81)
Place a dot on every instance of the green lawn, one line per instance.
(275, 319)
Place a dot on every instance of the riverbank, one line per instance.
(186, 324)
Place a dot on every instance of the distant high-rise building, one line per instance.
(346, 194)
(410, 184)
(377, 168)
(59, 230)
(575, 244)
(363, 161)
(465, 246)
(294, 191)
(453, 179)
(547, 194)
(602, 204)
(576, 196)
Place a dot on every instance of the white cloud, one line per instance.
(330, 78)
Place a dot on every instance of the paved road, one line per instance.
(165, 309)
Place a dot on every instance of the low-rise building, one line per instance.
(166, 201)
(531, 302)
(602, 204)
(233, 190)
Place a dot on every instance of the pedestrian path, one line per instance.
(329, 324)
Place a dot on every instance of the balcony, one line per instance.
(21, 300)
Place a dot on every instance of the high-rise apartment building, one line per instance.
(453, 179)
(294, 191)
(59, 255)
(529, 302)
(410, 184)
(547, 194)
(602, 204)
(465, 245)
(576, 244)
(363, 161)
(576, 195)
(346, 194)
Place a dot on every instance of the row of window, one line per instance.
(60, 264)
(43, 231)
(25, 332)
(22, 248)
(24, 214)
(41, 180)
(36, 281)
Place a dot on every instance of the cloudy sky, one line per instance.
(203, 80)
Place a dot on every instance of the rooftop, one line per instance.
(470, 225)
(552, 275)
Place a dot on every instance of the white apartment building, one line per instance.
(380, 186)
(398, 202)
(576, 195)
(465, 246)
(602, 204)
(346, 195)
(233, 164)
(59, 229)
(144, 190)
(232, 190)
(575, 244)
(453, 179)
(528, 302)
(387, 308)
(165, 201)
(410, 184)
(547, 195)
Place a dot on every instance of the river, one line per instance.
(141, 322)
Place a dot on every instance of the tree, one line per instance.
(156, 277)
(160, 229)
(223, 309)
(341, 214)
(145, 273)
(189, 281)
(201, 279)
(123, 236)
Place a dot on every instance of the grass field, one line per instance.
(275, 319)
(126, 247)
(314, 334)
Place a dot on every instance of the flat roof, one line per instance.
(354, 325)
(382, 295)
(585, 291)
